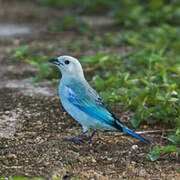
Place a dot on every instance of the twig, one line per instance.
(150, 132)
(156, 131)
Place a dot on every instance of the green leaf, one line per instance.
(23, 178)
(135, 123)
(33, 79)
(18, 178)
(144, 81)
(174, 139)
(154, 154)
(20, 52)
(45, 70)
(170, 148)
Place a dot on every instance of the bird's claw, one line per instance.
(75, 140)
(81, 135)
(87, 138)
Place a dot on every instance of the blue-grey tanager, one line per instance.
(83, 103)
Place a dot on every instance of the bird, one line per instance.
(84, 104)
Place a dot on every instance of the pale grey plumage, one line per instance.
(82, 102)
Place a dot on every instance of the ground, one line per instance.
(33, 123)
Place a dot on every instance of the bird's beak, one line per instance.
(54, 61)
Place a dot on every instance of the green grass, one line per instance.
(41, 62)
(71, 23)
(157, 153)
(140, 12)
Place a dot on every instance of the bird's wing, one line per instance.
(88, 101)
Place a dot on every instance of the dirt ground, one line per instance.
(33, 124)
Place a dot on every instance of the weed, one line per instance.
(46, 70)
(71, 23)
(156, 153)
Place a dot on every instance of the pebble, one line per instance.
(46, 163)
(93, 160)
(6, 112)
(3, 117)
(11, 156)
(39, 123)
(142, 172)
(134, 147)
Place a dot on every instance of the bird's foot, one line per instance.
(75, 140)
(81, 135)
(87, 138)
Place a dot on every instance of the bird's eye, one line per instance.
(66, 62)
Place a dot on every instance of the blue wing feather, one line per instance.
(90, 103)
(127, 130)
(93, 106)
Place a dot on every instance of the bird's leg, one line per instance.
(88, 138)
(75, 139)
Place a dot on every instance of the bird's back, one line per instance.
(85, 105)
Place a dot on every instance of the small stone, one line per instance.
(19, 104)
(57, 98)
(38, 139)
(174, 93)
(145, 126)
(3, 117)
(46, 163)
(134, 147)
(93, 160)
(142, 172)
(11, 156)
(39, 123)
(6, 112)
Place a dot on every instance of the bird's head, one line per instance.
(69, 66)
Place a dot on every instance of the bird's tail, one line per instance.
(127, 130)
